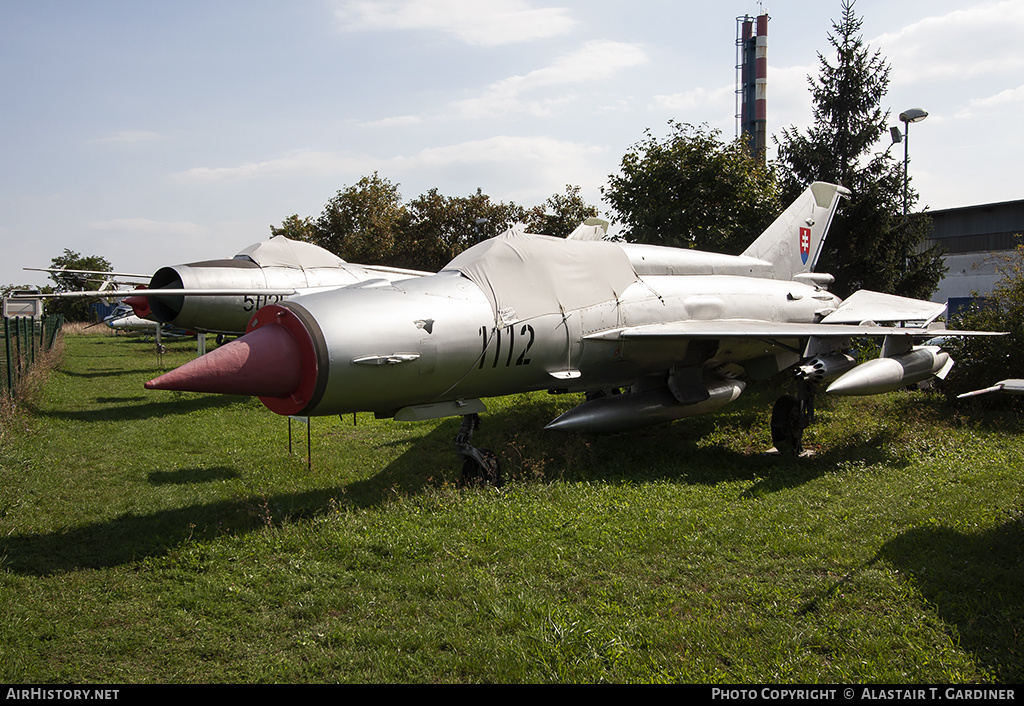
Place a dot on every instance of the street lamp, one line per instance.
(478, 224)
(913, 115)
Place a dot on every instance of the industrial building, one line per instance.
(976, 239)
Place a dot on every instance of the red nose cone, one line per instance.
(264, 363)
(277, 361)
(139, 304)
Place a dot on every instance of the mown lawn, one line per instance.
(169, 537)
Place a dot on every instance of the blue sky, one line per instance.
(160, 133)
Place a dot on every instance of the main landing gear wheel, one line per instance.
(482, 470)
(479, 466)
(788, 424)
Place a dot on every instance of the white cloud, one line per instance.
(296, 163)
(1004, 99)
(979, 41)
(789, 97)
(697, 98)
(491, 23)
(1010, 96)
(595, 61)
(502, 149)
(395, 121)
(538, 166)
(546, 164)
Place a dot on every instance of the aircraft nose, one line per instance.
(261, 363)
(139, 304)
(276, 361)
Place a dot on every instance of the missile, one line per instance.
(607, 415)
(891, 373)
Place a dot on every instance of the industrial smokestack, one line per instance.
(753, 89)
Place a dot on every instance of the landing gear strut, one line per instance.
(790, 416)
(479, 466)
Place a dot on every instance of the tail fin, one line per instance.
(794, 241)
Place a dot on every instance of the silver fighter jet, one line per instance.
(675, 330)
(220, 296)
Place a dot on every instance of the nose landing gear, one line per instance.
(790, 416)
(479, 466)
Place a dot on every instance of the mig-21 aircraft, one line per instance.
(677, 330)
(220, 296)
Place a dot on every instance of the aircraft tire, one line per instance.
(786, 425)
(473, 473)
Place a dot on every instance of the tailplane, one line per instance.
(794, 241)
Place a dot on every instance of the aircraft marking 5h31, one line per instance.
(676, 329)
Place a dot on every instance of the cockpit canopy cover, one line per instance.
(526, 275)
(279, 251)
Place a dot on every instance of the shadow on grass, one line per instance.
(111, 373)
(149, 410)
(790, 472)
(135, 537)
(530, 455)
(670, 452)
(972, 581)
(673, 453)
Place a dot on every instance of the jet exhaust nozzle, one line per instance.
(639, 409)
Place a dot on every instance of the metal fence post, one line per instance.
(7, 355)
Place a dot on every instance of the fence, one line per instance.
(25, 340)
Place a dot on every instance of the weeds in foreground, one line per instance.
(678, 554)
(30, 382)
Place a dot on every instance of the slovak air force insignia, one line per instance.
(805, 244)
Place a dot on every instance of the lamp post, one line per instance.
(913, 115)
(477, 225)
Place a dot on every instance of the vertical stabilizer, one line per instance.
(793, 242)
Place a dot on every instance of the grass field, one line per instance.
(169, 537)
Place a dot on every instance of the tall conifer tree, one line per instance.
(872, 244)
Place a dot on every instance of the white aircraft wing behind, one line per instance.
(865, 305)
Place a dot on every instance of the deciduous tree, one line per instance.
(560, 214)
(75, 309)
(368, 223)
(361, 223)
(692, 189)
(440, 227)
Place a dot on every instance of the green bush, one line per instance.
(982, 361)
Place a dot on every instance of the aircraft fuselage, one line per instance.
(435, 339)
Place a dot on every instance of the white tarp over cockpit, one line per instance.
(526, 275)
(280, 251)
